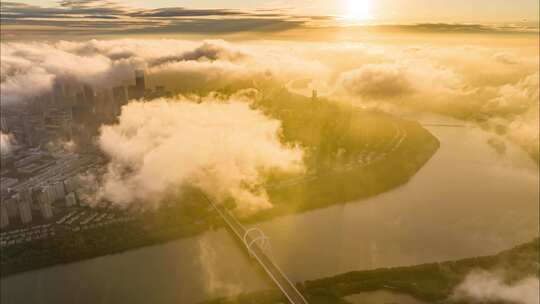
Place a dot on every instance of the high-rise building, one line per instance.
(78, 112)
(119, 99)
(79, 97)
(12, 207)
(139, 80)
(133, 93)
(119, 95)
(104, 105)
(137, 91)
(50, 193)
(45, 206)
(4, 216)
(4, 124)
(71, 199)
(55, 191)
(69, 89)
(89, 98)
(25, 205)
(29, 131)
(59, 188)
(58, 92)
(70, 184)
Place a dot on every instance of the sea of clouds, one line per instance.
(223, 146)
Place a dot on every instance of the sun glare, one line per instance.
(358, 10)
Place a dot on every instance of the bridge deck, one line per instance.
(271, 268)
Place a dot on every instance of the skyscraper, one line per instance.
(58, 92)
(45, 205)
(12, 207)
(51, 193)
(4, 124)
(71, 199)
(71, 184)
(25, 205)
(137, 91)
(104, 105)
(59, 190)
(119, 95)
(139, 80)
(89, 98)
(4, 217)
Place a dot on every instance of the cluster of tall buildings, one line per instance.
(71, 111)
(20, 205)
(90, 107)
(34, 181)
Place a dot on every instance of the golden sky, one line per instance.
(211, 17)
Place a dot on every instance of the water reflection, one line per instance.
(468, 200)
(184, 271)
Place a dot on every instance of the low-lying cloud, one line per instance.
(6, 143)
(207, 52)
(401, 80)
(496, 87)
(486, 287)
(31, 69)
(222, 147)
(510, 109)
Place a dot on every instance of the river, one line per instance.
(468, 200)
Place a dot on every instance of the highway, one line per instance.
(288, 289)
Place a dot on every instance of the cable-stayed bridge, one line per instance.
(257, 245)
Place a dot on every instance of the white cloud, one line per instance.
(6, 143)
(221, 147)
(377, 81)
(30, 69)
(498, 85)
(482, 286)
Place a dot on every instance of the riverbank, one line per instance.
(432, 283)
(484, 203)
(351, 155)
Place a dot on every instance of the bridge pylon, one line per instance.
(255, 236)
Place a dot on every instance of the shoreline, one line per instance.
(332, 187)
(429, 282)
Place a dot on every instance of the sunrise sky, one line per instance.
(46, 17)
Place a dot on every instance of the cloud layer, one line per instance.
(486, 287)
(221, 147)
(447, 82)
(496, 87)
(30, 69)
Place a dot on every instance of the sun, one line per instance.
(358, 10)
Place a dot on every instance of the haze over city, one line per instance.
(370, 151)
